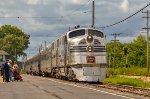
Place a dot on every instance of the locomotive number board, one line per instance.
(90, 59)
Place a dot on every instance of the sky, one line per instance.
(47, 20)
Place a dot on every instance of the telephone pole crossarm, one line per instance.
(115, 40)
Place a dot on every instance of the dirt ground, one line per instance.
(1, 80)
(144, 78)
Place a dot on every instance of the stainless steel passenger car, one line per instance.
(79, 54)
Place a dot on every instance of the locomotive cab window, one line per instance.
(76, 33)
(95, 33)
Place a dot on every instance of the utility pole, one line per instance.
(109, 59)
(147, 28)
(15, 54)
(115, 40)
(126, 55)
(93, 14)
(15, 50)
(41, 47)
(45, 44)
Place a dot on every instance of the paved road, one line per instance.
(34, 87)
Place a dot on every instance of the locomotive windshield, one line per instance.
(76, 33)
(95, 33)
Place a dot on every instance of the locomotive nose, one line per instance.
(89, 38)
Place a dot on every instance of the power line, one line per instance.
(23, 17)
(50, 35)
(73, 12)
(78, 8)
(70, 14)
(19, 17)
(126, 18)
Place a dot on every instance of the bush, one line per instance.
(23, 71)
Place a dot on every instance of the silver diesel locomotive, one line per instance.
(79, 54)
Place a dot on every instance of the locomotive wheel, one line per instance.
(71, 76)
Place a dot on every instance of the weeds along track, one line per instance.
(122, 88)
(125, 88)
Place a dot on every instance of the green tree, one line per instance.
(116, 58)
(137, 52)
(13, 40)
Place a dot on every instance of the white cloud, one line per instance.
(125, 5)
(77, 1)
(32, 2)
(51, 23)
(74, 1)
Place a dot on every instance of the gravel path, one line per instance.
(144, 78)
(1, 79)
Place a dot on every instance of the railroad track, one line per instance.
(125, 88)
(122, 88)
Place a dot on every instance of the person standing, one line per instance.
(6, 70)
(10, 70)
(3, 73)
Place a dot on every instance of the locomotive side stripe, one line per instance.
(85, 50)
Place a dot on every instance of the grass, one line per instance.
(127, 81)
(23, 71)
(134, 71)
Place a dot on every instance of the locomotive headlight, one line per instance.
(90, 48)
(89, 38)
